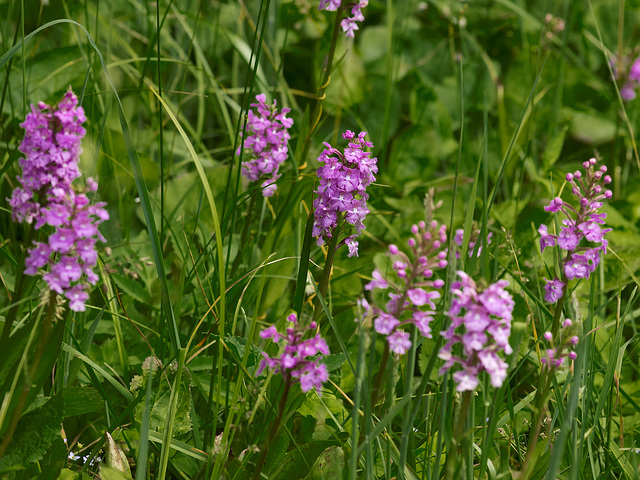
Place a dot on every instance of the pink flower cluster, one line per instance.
(555, 355)
(266, 144)
(298, 360)
(344, 178)
(412, 290)
(52, 145)
(581, 229)
(631, 80)
(349, 24)
(475, 234)
(481, 323)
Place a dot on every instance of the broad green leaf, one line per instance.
(34, 435)
(81, 400)
(329, 465)
(132, 288)
(67, 474)
(110, 473)
(591, 128)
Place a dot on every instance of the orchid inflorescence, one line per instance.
(52, 146)
(412, 287)
(349, 24)
(266, 144)
(481, 323)
(475, 236)
(341, 192)
(562, 348)
(581, 235)
(298, 361)
(629, 72)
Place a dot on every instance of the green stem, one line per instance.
(326, 273)
(377, 382)
(537, 417)
(407, 419)
(449, 466)
(542, 393)
(326, 78)
(245, 232)
(275, 429)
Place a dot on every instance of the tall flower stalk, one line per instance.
(481, 324)
(478, 335)
(298, 363)
(46, 197)
(266, 144)
(582, 237)
(340, 205)
(264, 149)
(412, 289)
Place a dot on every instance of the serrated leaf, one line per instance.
(53, 461)
(81, 400)
(333, 362)
(34, 435)
(238, 345)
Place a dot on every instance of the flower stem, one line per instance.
(274, 430)
(449, 466)
(542, 393)
(323, 286)
(326, 78)
(537, 416)
(245, 232)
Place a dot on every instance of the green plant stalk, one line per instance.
(245, 232)
(407, 417)
(449, 466)
(377, 381)
(44, 338)
(323, 286)
(326, 78)
(229, 432)
(357, 398)
(274, 430)
(542, 393)
(375, 391)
